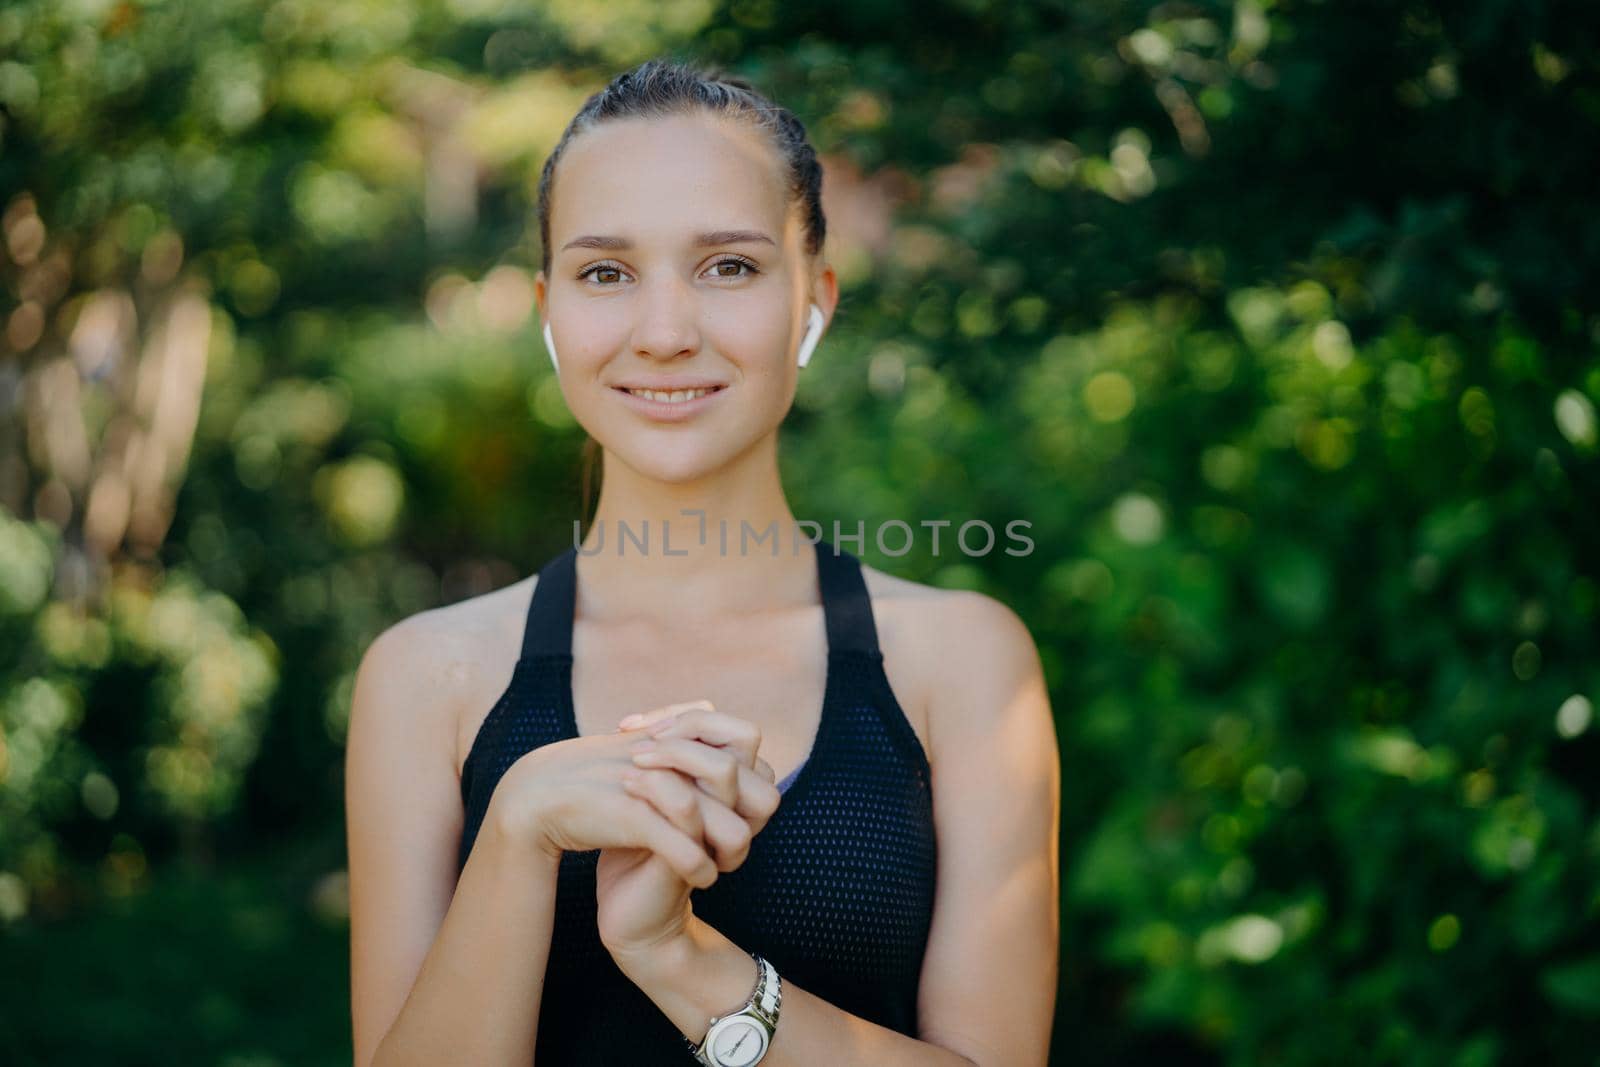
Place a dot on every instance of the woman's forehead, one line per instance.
(667, 177)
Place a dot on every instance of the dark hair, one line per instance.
(659, 87)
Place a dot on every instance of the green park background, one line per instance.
(1279, 321)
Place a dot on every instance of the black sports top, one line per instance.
(837, 889)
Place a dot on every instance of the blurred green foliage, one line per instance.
(1276, 320)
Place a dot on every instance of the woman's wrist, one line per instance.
(516, 814)
(693, 977)
(516, 826)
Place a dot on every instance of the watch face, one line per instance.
(738, 1042)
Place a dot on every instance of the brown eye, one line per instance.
(749, 267)
(610, 269)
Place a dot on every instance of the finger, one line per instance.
(672, 795)
(715, 770)
(750, 793)
(728, 835)
(645, 719)
(717, 728)
(725, 834)
(681, 852)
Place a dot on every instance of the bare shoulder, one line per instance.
(957, 630)
(948, 647)
(403, 809)
(444, 664)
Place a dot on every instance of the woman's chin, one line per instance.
(678, 466)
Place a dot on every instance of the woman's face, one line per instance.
(675, 260)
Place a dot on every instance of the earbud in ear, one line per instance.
(813, 335)
(550, 346)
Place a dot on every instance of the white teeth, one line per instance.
(677, 396)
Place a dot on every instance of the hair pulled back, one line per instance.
(659, 87)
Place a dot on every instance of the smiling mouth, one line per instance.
(674, 396)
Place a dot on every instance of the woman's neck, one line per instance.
(721, 546)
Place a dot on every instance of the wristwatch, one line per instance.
(740, 1038)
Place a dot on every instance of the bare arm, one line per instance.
(707, 975)
(477, 997)
(441, 972)
(990, 974)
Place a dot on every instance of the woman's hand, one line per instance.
(700, 770)
(716, 749)
(567, 796)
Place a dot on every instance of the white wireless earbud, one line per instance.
(813, 335)
(550, 346)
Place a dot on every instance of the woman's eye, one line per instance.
(600, 268)
(749, 268)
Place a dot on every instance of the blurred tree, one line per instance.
(1275, 320)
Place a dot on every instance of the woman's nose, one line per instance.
(667, 324)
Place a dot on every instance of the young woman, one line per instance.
(838, 844)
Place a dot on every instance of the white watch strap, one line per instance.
(769, 989)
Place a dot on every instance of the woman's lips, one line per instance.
(662, 411)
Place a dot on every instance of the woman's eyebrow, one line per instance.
(701, 240)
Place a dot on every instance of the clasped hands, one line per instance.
(699, 769)
(671, 799)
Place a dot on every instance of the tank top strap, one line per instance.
(845, 603)
(548, 630)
